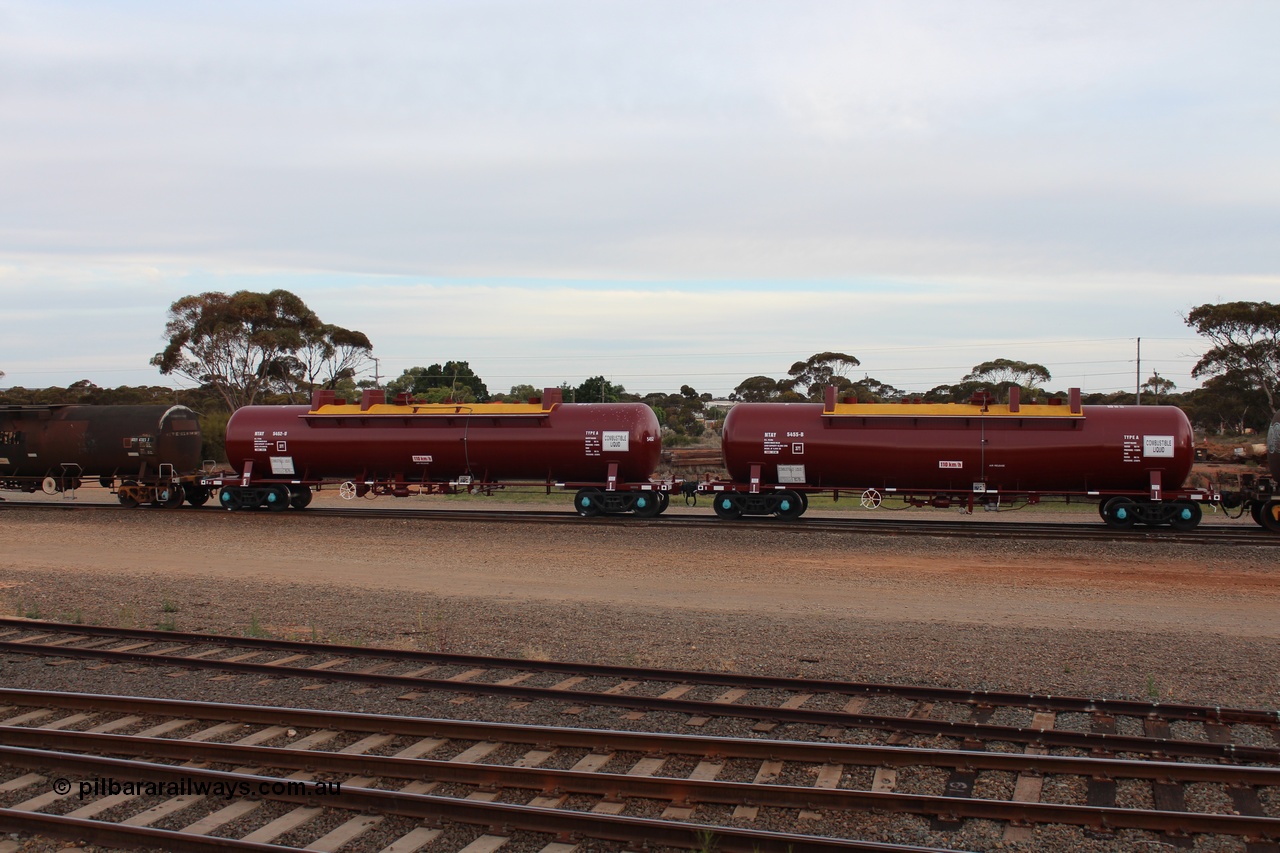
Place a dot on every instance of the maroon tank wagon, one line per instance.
(1131, 460)
(606, 452)
(147, 454)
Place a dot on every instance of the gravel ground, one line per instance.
(1128, 620)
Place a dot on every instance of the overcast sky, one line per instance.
(662, 192)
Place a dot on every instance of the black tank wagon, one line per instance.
(146, 454)
(1260, 495)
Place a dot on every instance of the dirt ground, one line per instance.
(927, 608)
(1126, 586)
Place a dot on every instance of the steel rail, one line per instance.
(917, 725)
(606, 740)
(1033, 701)
(437, 808)
(106, 834)
(812, 524)
(1066, 531)
(613, 786)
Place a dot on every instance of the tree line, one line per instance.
(248, 347)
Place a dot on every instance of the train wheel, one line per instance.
(727, 506)
(1120, 513)
(125, 495)
(647, 505)
(664, 501)
(169, 496)
(229, 498)
(1186, 515)
(276, 498)
(197, 496)
(790, 506)
(1269, 515)
(301, 497)
(587, 502)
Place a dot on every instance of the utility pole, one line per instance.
(1137, 380)
(377, 382)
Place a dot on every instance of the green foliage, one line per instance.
(330, 357)
(760, 389)
(672, 439)
(821, 370)
(961, 392)
(213, 435)
(519, 394)
(453, 380)
(444, 394)
(807, 380)
(1001, 374)
(255, 628)
(868, 390)
(1157, 386)
(597, 389)
(813, 377)
(1225, 404)
(249, 344)
(1246, 345)
(85, 393)
(681, 414)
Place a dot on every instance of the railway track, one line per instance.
(412, 767)
(326, 787)
(145, 761)
(883, 524)
(815, 758)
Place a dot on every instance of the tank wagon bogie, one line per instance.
(144, 454)
(1132, 461)
(1259, 495)
(606, 452)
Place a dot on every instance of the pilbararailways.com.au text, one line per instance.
(188, 786)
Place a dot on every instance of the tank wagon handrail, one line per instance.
(944, 410)
(982, 405)
(371, 414)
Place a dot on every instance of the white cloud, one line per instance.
(992, 155)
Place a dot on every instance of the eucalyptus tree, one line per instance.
(248, 344)
(1246, 344)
